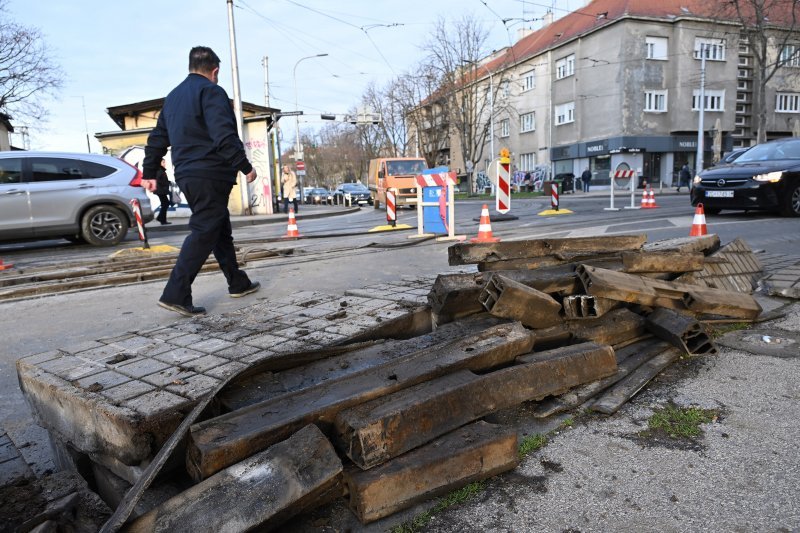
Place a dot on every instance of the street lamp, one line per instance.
(298, 147)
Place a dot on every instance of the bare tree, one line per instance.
(27, 73)
(391, 128)
(425, 109)
(454, 52)
(770, 28)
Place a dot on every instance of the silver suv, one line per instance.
(80, 197)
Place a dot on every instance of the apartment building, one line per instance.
(616, 85)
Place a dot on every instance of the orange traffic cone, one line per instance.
(645, 199)
(5, 266)
(291, 229)
(699, 222)
(485, 228)
(653, 203)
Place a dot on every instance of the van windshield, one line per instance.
(399, 168)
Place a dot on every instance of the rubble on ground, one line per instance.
(382, 402)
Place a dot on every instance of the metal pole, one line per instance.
(702, 105)
(298, 145)
(237, 104)
(265, 62)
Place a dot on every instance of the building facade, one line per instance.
(616, 85)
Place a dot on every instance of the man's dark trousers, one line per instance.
(211, 232)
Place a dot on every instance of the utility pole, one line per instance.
(698, 166)
(237, 104)
(265, 62)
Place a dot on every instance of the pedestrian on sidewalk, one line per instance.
(288, 184)
(684, 176)
(586, 179)
(163, 192)
(197, 121)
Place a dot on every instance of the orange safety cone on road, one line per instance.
(645, 199)
(653, 203)
(485, 228)
(291, 228)
(699, 222)
(5, 266)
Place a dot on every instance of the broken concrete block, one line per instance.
(261, 491)
(681, 331)
(734, 267)
(507, 298)
(471, 453)
(706, 244)
(580, 306)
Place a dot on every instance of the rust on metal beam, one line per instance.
(507, 298)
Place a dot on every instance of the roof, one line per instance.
(118, 113)
(5, 120)
(601, 13)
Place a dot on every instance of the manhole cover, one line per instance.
(774, 342)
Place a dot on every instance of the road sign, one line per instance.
(301, 165)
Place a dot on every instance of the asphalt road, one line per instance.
(608, 481)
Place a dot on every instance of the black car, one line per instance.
(766, 177)
(352, 193)
(317, 195)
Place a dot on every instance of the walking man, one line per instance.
(162, 191)
(684, 177)
(586, 179)
(197, 121)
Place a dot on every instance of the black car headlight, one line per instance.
(771, 177)
(697, 180)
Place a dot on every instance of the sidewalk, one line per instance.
(181, 222)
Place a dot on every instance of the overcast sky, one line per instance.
(115, 53)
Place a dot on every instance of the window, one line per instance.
(714, 48)
(656, 48)
(10, 170)
(505, 129)
(55, 169)
(565, 67)
(505, 88)
(743, 85)
(527, 122)
(655, 101)
(527, 162)
(565, 113)
(715, 100)
(787, 103)
(743, 73)
(529, 81)
(790, 56)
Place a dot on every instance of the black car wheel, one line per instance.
(791, 205)
(104, 225)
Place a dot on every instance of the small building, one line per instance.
(5, 129)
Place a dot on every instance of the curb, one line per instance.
(238, 221)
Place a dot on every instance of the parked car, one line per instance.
(355, 193)
(316, 195)
(79, 197)
(765, 177)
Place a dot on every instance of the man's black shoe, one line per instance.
(184, 310)
(165, 223)
(254, 286)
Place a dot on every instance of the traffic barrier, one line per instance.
(485, 228)
(391, 209)
(137, 213)
(699, 222)
(445, 204)
(554, 197)
(5, 266)
(291, 228)
(623, 174)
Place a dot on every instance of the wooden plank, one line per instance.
(222, 441)
(719, 302)
(705, 244)
(507, 298)
(628, 359)
(639, 262)
(627, 388)
(683, 332)
(471, 453)
(272, 382)
(378, 430)
(470, 253)
(261, 491)
(605, 260)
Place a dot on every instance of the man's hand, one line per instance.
(251, 176)
(149, 185)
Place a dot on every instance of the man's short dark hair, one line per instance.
(202, 59)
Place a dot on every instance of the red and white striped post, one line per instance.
(503, 191)
(554, 196)
(137, 212)
(391, 208)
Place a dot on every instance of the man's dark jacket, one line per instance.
(197, 121)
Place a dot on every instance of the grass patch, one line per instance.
(454, 498)
(719, 331)
(681, 422)
(531, 443)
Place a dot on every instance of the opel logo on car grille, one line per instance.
(720, 183)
